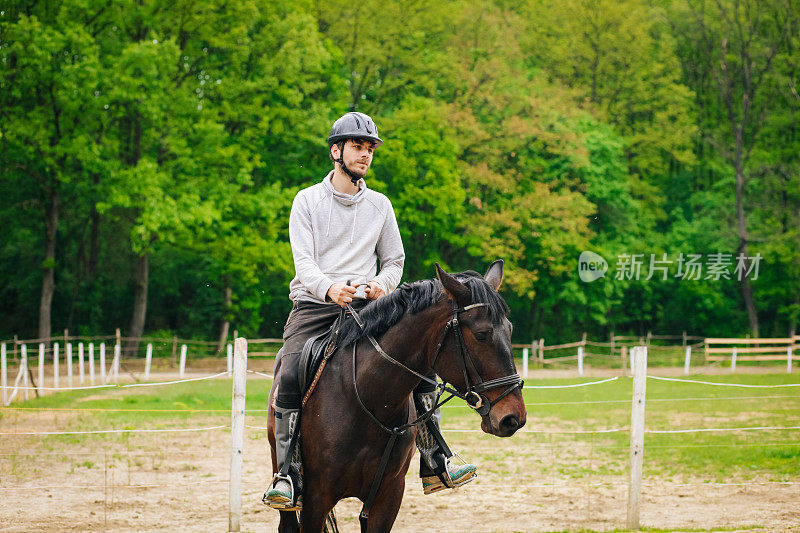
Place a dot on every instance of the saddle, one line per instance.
(316, 350)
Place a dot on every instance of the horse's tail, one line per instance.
(330, 523)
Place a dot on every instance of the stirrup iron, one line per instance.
(295, 502)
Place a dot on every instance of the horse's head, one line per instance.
(476, 357)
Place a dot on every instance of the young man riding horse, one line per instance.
(339, 230)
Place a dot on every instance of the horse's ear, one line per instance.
(455, 290)
(494, 276)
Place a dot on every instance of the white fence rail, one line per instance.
(49, 368)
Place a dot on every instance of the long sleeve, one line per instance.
(302, 241)
(390, 253)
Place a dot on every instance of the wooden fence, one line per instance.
(615, 352)
(742, 350)
(60, 353)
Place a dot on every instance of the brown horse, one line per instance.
(342, 441)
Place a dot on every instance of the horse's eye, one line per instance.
(480, 335)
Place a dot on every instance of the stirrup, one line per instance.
(278, 500)
(445, 480)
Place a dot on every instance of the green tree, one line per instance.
(740, 45)
(47, 118)
(620, 58)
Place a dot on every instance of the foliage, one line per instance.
(530, 131)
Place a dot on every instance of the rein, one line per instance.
(473, 397)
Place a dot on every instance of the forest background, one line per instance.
(150, 152)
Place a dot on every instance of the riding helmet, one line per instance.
(354, 125)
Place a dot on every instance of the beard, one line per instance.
(358, 170)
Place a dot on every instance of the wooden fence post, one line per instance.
(237, 434)
(39, 390)
(524, 363)
(103, 363)
(91, 363)
(612, 344)
(69, 364)
(580, 360)
(24, 367)
(81, 371)
(789, 359)
(624, 355)
(733, 360)
(148, 359)
(3, 372)
(183, 360)
(639, 360)
(115, 362)
(56, 370)
(688, 360)
(541, 352)
(229, 358)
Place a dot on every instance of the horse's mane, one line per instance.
(380, 315)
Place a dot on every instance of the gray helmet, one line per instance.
(354, 125)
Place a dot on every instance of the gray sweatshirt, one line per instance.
(337, 237)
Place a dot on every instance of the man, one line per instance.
(339, 230)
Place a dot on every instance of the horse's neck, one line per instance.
(387, 386)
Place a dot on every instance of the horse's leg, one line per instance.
(314, 512)
(384, 509)
(289, 523)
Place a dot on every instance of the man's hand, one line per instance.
(342, 294)
(374, 290)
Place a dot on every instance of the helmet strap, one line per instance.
(354, 178)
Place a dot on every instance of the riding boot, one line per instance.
(284, 490)
(435, 468)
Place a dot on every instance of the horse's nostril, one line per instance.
(509, 422)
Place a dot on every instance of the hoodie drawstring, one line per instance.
(352, 233)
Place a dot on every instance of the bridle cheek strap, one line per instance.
(477, 401)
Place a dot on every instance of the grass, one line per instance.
(765, 455)
(771, 455)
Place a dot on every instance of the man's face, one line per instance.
(357, 155)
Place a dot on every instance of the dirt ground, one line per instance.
(179, 482)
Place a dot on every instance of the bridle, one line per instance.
(473, 396)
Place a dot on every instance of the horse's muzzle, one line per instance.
(506, 417)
